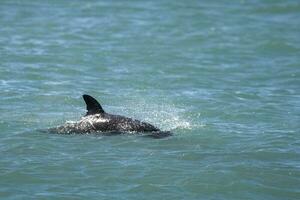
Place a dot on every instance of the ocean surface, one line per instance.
(223, 76)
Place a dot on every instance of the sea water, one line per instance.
(223, 76)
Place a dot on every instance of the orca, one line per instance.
(97, 120)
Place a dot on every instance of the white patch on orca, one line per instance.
(94, 119)
(101, 120)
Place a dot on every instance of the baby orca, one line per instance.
(97, 120)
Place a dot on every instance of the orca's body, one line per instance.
(97, 120)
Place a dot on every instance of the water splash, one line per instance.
(165, 115)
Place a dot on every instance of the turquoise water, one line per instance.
(223, 76)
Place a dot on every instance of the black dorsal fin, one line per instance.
(92, 105)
